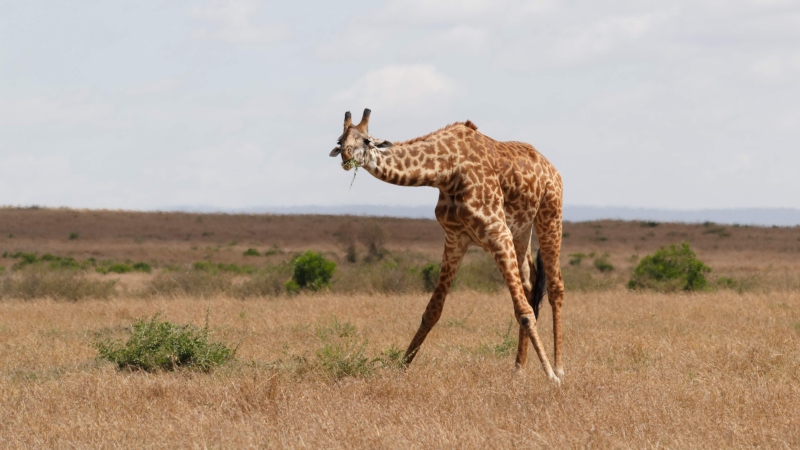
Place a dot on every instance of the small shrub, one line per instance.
(342, 354)
(156, 345)
(26, 259)
(649, 224)
(311, 271)
(345, 359)
(142, 267)
(251, 252)
(274, 250)
(602, 264)
(60, 262)
(73, 236)
(718, 230)
(505, 347)
(116, 268)
(575, 259)
(726, 282)
(670, 269)
(430, 276)
(392, 358)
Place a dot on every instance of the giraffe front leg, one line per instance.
(454, 249)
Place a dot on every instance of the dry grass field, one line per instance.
(716, 369)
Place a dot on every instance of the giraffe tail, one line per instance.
(539, 285)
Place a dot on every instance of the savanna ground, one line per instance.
(719, 368)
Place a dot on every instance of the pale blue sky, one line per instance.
(235, 104)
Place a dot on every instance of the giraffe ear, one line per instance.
(383, 144)
(335, 152)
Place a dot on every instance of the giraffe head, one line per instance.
(355, 142)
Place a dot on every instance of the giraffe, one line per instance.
(491, 194)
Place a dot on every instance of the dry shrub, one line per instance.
(346, 239)
(55, 284)
(269, 282)
(195, 283)
(373, 236)
(393, 276)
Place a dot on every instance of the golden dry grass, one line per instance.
(643, 371)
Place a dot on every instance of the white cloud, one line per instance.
(64, 111)
(401, 89)
(50, 180)
(234, 23)
(155, 87)
(777, 68)
(434, 11)
(457, 40)
(354, 43)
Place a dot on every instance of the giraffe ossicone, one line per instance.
(491, 194)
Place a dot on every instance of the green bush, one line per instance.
(251, 252)
(575, 259)
(430, 276)
(670, 269)
(311, 271)
(142, 267)
(156, 345)
(118, 268)
(602, 264)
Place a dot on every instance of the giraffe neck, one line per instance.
(423, 163)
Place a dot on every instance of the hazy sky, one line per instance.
(154, 104)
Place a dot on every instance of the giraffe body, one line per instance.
(491, 194)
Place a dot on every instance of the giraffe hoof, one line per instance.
(555, 380)
(560, 373)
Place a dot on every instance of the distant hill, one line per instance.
(742, 216)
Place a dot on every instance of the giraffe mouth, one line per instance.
(349, 164)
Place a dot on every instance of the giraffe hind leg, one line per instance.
(549, 230)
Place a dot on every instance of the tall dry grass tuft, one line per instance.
(37, 282)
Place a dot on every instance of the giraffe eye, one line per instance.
(366, 141)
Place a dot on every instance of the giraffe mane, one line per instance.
(467, 124)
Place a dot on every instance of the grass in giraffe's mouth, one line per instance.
(349, 164)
